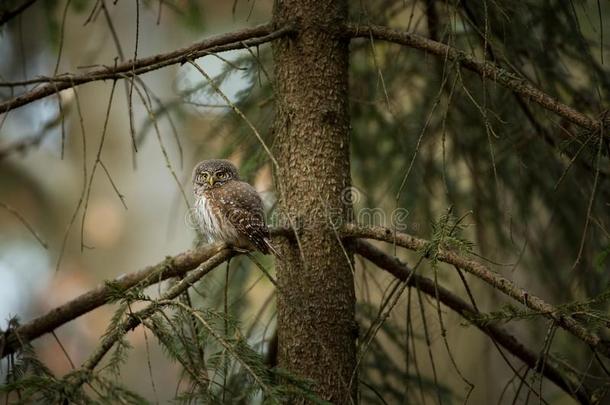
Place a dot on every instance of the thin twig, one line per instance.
(116, 190)
(97, 161)
(63, 349)
(147, 103)
(84, 188)
(61, 37)
(25, 223)
(591, 199)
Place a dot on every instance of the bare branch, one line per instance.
(492, 278)
(219, 43)
(8, 15)
(485, 69)
(394, 266)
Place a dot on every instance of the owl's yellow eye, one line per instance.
(222, 175)
(203, 177)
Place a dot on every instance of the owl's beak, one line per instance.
(211, 180)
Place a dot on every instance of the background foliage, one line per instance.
(530, 188)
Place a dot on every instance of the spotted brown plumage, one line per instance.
(229, 210)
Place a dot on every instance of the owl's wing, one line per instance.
(243, 208)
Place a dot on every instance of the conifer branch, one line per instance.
(401, 271)
(492, 278)
(137, 318)
(486, 69)
(249, 37)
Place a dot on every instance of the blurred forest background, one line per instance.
(533, 189)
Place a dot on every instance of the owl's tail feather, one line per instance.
(271, 248)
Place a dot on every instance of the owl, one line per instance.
(227, 209)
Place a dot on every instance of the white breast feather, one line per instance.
(213, 228)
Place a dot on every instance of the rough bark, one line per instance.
(316, 326)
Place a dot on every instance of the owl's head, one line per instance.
(213, 173)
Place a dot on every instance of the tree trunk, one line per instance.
(316, 304)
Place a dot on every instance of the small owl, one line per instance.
(227, 209)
